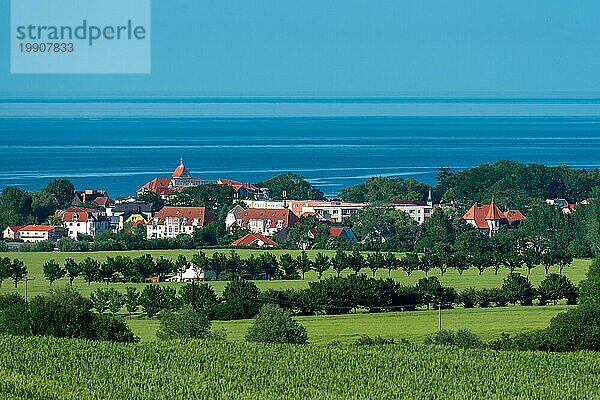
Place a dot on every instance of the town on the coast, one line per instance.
(264, 221)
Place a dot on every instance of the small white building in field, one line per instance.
(193, 273)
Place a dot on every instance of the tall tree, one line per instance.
(375, 261)
(53, 271)
(17, 271)
(62, 191)
(15, 207)
(303, 263)
(339, 262)
(90, 269)
(131, 300)
(73, 269)
(294, 186)
(320, 264)
(4, 269)
(390, 262)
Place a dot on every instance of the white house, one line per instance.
(191, 273)
(39, 233)
(416, 209)
(83, 221)
(170, 222)
(11, 232)
(264, 221)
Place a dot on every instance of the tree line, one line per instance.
(333, 296)
(265, 265)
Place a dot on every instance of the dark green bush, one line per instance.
(14, 315)
(275, 325)
(187, 323)
(110, 328)
(462, 338)
(366, 340)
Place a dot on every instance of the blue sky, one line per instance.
(501, 48)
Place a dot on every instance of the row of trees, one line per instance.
(267, 266)
(334, 295)
(575, 330)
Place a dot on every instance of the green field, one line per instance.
(49, 368)
(488, 323)
(471, 278)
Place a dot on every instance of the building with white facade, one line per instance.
(261, 220)
(416, 209)
(83, 221)
(170, 222)
(333, 211)
(40, 233)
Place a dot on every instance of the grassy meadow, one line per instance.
(488, 323)
(414, 325)
(470, 278)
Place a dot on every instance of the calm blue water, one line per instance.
(121, 154)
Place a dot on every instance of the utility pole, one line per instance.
(26, 281)
(440, 316)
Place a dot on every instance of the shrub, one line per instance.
(589, 289)
(518, 288)
(201, 296)
(62, 313)
(275, 325)
(555, 287)
(462, 338)
(240, 301)
(498, 296)
(366, 340)
(185, 323)
(112, 329)
(14, 315)
(468, 297)
(156, 298)
(466, 339)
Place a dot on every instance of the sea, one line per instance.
(119, 144)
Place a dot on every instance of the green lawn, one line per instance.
(488, 323)
(471, 278)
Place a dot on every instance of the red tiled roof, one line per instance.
(37, 228)
(493, 212)
(198, 214)
(160, 186)
(239, 185)
(514, 216)
(180, 171)
(285, 215)
(252, 238)
(336, 231)
(83, 214)
(15, 228)
(103, 201)
(481, 213)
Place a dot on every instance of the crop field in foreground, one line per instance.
(49, 368)
(470, 278)
(488, 323)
